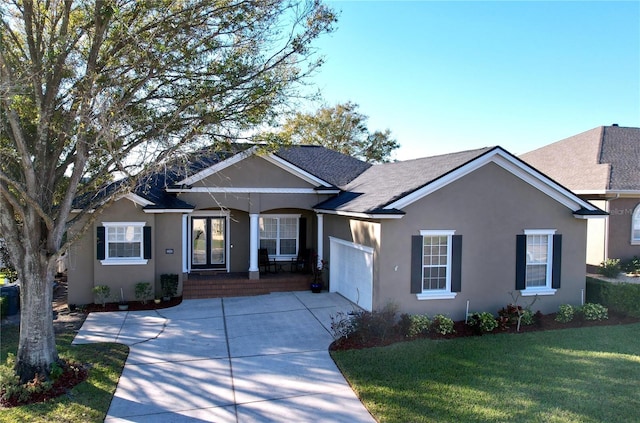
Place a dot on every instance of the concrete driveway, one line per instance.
(241, 359)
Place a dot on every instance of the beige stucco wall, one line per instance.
(619, 229)
(85, 271)
(488, 208)
(125, 277)
(253, 171)
(81, 259)
(167, 235)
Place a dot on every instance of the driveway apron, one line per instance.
(241, 359)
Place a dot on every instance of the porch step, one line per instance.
(226, 285)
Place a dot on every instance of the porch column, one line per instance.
(254, 234)
(185, 243)
(320, 239)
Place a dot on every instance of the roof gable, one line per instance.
(316, 165)
(606, 158)
(380, 190)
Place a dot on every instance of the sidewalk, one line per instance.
(241, 359)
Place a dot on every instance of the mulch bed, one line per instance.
(542, 323)
(132, 306)
(72, 374)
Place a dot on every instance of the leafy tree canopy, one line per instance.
(90, 87)
(342, 128)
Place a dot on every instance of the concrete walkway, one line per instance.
(241, 359)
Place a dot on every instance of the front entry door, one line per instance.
(208, 242)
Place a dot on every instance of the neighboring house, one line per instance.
(428, 235)
(601, 165)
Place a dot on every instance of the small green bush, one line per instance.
(375, 324)
(482, 322)
(4, 306)
(342, 325)
(632, 265)
(365, 325)
(169, 284)
(418, 325)
(609, 268)
(565, 313)
(143, 292)
(441, 324)
(591, 311)
(102, 293)
(12, 389)
(528, 318)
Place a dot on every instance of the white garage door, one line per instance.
(351, 271)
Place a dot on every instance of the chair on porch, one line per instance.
(302, 263)
(264, 262)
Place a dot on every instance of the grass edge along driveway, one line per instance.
(572, 375)
(87, 402)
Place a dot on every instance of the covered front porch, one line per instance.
(207, 284)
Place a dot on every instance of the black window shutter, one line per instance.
(521, 261)
(416, 264)
(146, 243)
(302, 234)
(456, 263)
(100, 243)
(557, 261)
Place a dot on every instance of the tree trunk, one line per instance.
(37, 348)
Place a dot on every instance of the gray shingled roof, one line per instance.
(382, 184)
(621, 149)
(330, 166)
(601, 159)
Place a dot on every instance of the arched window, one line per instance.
(635, 226)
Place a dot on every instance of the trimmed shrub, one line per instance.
(591, 311)
(617, 297)
(442, 325)
(365, 325)
(102, 293)
(143, 292)
(418, 324)
(482, 322)
(565, 313)
(610, 268)
(596, 290)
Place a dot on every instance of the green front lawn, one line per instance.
(572, 375)
(88, 401)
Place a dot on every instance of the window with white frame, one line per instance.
(539, 261)
(635, 226)
(436, 253)
(436, 264)
(279, 235)
(124, 243)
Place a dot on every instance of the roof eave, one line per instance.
(374, 214)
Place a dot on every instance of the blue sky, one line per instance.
(447, 76)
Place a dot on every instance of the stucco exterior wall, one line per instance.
(81, 259)
(125, 277)
(488, 207)
(619, 229)
(253, 171)
(167, 244)
(358, 231)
